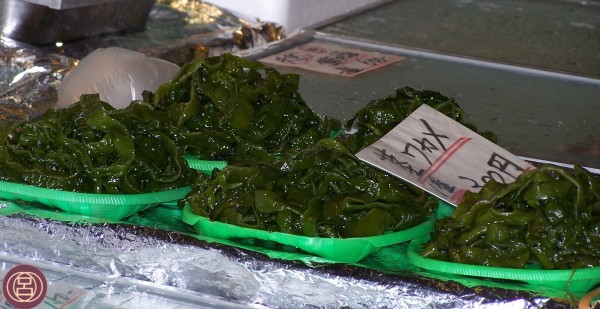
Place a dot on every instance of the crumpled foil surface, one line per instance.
(182, 30)
(28, 80)
(177, 31)
(224, 276)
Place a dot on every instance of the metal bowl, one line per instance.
(41, 22)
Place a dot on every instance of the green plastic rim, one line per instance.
(336, 133)
(345, 250)
(444, 209)
(109, 206)
(577, 281)
(205, 166)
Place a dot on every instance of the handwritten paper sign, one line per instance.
(331, 59)
(443, 157)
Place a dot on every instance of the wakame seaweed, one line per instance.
(224, 101)
(380, 116)
(322, 191)
(92, 147)
(548, 216)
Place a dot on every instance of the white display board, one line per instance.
(295, 14)
(443, 157)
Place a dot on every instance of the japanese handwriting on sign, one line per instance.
(337, 58)
(442, 187)
(443, 157)
(332, 59)
(383, 155)
(501, 170)
(348, 70)
(294, 58)
(424, 145)
(351, 63)
(433, 153)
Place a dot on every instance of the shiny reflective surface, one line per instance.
(535, 113)
(555, 35)
(180, 31)
(39, 25)
(124, 267)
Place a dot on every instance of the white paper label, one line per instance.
(441, 156)
(331, 59)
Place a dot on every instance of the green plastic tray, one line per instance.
(346, 250)
(577, 282)
(108, 206)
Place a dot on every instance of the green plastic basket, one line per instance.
(575, 281)
(346, 250)
(109, 206)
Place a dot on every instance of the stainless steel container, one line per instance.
(42, 22)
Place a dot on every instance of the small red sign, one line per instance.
(24, 286)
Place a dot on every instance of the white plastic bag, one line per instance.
(119, 75)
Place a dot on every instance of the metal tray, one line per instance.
(557, 35)
(67, 4)
(541, 115)
(49, 21)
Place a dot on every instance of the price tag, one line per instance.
(331, 59)
(441, 156)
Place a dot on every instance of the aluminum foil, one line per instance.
(129, 266)
(28, 80)
(182, 30)
(118, 256)
(177, 30)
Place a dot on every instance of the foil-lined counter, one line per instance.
(144, 263)
(151, 259)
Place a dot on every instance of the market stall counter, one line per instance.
(235, 184)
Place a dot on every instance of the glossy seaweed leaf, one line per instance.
(548, 216)
(221, 102)
(322, 191)
(380, 116)
(91, 147)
